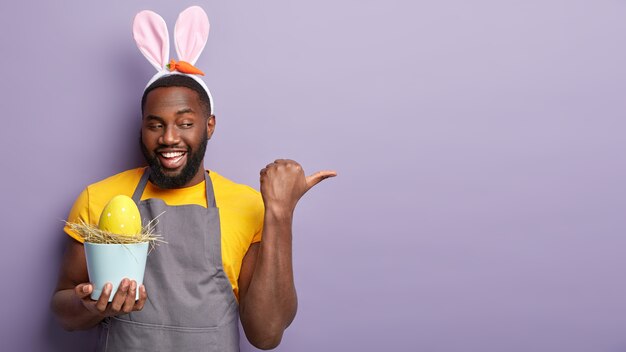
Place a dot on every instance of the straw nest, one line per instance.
(91, 233)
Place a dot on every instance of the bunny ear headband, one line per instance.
(190, 36)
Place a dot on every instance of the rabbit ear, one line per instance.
(191, 33)
(152, 38)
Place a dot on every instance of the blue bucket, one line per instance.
(113, 262)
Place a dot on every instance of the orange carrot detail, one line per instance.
(184, 67)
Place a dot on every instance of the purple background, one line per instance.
(480, 146)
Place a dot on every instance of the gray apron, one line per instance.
(191, 305)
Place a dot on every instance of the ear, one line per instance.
(210, 126)
(191, 33)
(152, 38)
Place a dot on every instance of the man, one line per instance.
(215, 265)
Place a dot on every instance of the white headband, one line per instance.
(190, 36)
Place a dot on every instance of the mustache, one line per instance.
(162, 149)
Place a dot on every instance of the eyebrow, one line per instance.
(154, 117)
(179, 112)
(184, 111)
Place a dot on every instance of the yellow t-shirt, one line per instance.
(241, 210)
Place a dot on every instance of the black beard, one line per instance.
(161, 180)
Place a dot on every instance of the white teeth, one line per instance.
(172, 154)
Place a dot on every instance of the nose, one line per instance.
(170, 136)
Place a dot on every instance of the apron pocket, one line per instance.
(125, 335)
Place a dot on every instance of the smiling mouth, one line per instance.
(172, 160)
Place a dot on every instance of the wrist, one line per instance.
(278, 214)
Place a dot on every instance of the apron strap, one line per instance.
(210, 195)
(141, 186)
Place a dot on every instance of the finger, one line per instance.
(102, 302)
(129, 303)
(318, 177)
(120, 295)
(83, 290)
(143, 296)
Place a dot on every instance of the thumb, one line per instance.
(83, 290)
(318, 177)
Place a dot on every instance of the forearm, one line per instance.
(270, 302)
(71, 313)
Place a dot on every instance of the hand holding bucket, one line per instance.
(112, 263)
(118, 247)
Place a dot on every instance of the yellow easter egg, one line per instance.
(120, 216)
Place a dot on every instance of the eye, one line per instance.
(155, 126)
(186, 125)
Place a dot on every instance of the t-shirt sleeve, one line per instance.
(79, 212)
(260, 216)
(258, 235)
